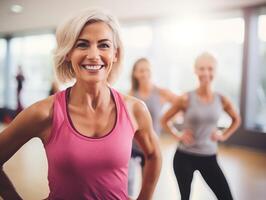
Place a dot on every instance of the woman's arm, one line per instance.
(236, 120)
(7, 190)
(180, 104)
(34, 121)
(148, 141)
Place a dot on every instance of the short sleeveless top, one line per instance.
(202, 118)
(81, 167)
(154, 106)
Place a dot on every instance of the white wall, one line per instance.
(40, 15)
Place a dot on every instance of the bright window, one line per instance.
(137, 41)
(34, 55)
(172, 46)
(260, 107)
(2, 68)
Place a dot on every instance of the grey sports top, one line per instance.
(201, 118)
(154, 106)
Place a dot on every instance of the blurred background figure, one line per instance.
(202, 109)
(8, 114)
(20, 79)
(142, 87)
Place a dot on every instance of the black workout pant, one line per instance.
(184, 166)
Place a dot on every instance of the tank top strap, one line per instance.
(136, 93)
(117, 100)
(121, 107)
(218, 98)
(58, 114)
(156, 92)
(192, 98)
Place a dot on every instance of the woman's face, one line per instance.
(205, 70)
(142, 71)
(93, 53)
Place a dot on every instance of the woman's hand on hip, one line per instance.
(187, 137)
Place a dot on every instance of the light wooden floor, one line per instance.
(245, 170)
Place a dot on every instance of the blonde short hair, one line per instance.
(68, 33)
(205, 55)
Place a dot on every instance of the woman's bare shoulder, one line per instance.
(32, 121)
(135, 108)
(42, 109)
(133, 101)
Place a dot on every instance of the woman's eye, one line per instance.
(104, 45)
(82, 45)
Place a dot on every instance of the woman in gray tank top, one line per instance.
(202, 108)
(154, 98)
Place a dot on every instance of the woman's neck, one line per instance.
(93, 95)
(145, 87)
(205, 90)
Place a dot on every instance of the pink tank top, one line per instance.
(81, 167)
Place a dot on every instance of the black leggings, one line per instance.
(184, 166)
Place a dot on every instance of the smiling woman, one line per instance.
(202, 108)
(93, 122)
(93, 53)
(66, 42)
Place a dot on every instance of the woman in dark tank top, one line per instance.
(202, 108)
(154, 97)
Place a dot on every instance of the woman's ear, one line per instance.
(68, 56)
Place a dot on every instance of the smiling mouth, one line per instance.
(92, 68)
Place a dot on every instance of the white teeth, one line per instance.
(93, 67)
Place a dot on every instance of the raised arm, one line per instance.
(32, 122)
(148, 141)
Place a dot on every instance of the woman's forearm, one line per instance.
(232, 128)
(169, 128)
(151, 174)
(7, 190)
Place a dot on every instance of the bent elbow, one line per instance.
(238, 121)
(163, 123)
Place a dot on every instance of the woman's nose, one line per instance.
(93, 53)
